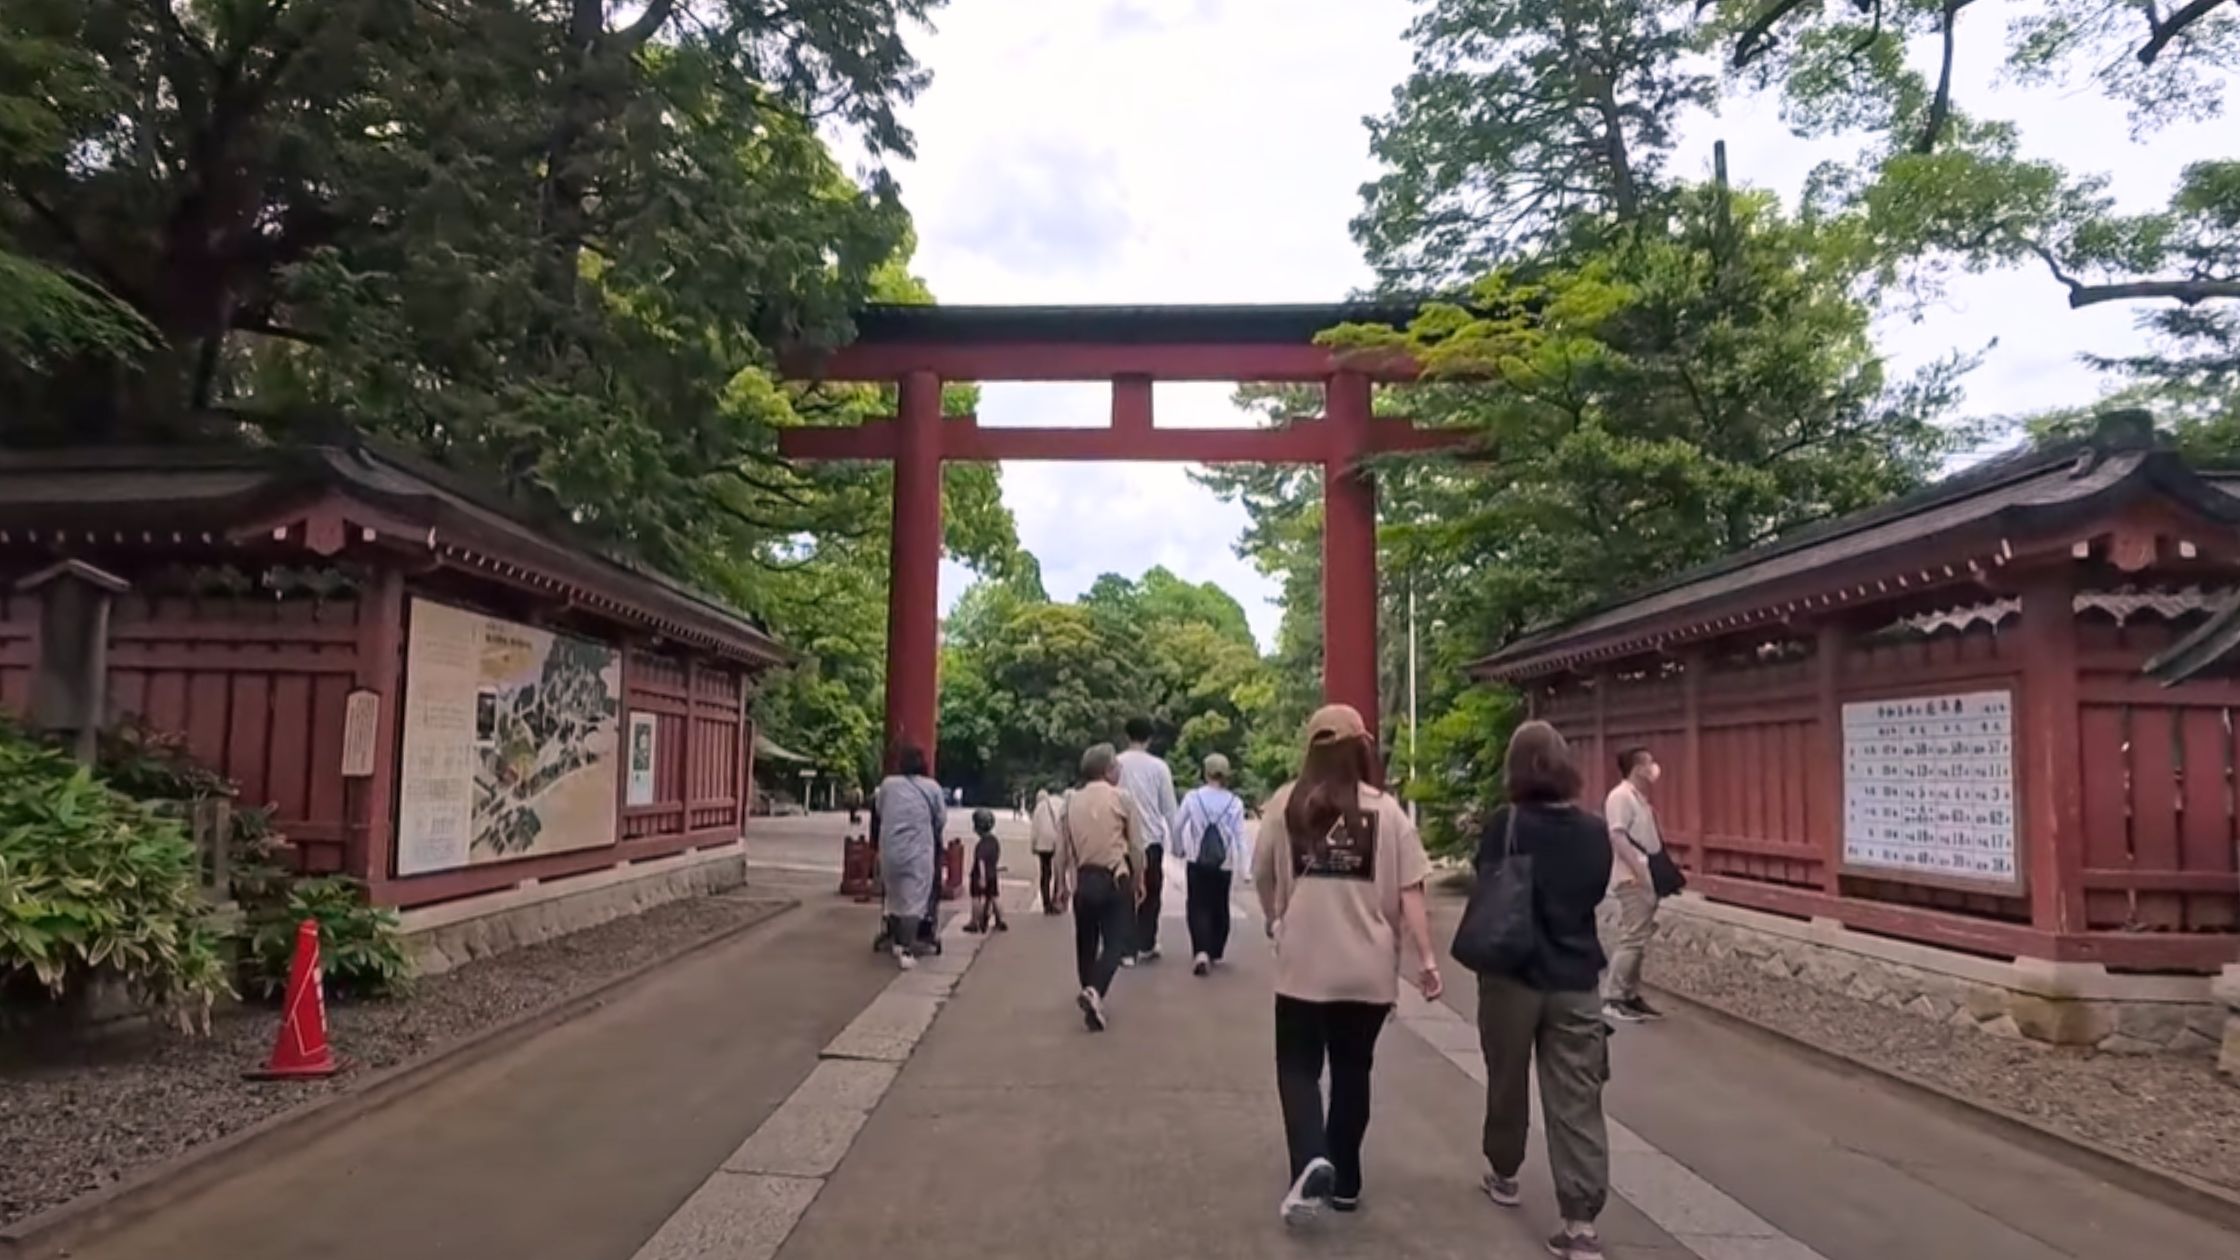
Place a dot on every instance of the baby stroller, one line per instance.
(929, 928)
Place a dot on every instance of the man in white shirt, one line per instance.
(1149, 786)
(1633, 837)
(1208, 835)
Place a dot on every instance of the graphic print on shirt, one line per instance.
(1346, 853)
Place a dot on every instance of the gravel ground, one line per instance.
(2157, 1110)
(140, 1098)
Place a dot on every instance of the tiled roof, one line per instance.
(2012, 496)
(129, 491)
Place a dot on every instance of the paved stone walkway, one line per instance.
(791, 1096)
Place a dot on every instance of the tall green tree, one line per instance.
(1937, 188)
(1655, 372)
(1521, 126)
(550, 243)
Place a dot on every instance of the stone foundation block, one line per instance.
(2063, 1003)
(443, 937)
(2227, 990)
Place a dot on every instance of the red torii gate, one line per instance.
(919, 348)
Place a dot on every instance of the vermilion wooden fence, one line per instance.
(258, 687)
(255, 686)
(2162, 852)
(700, 759)
(1751, 793)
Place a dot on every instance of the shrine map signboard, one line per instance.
(1928, 788)
(510, 746)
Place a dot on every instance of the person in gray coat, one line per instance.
(912, 815)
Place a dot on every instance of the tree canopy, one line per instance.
(553, 244)
(1027, 683)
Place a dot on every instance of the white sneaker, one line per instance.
(1127, 960)
(1311, 1192)
(1151, 954)
(1092, 1009)
(904, 959)
(1201, 964)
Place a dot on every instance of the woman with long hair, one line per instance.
(911, 812)
(1548, 1011)
(1340, 871)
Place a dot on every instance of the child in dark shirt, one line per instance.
(987, 854)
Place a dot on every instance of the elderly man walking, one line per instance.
(1100, 864)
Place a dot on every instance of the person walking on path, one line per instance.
(1633, 837)
(911, 816)
(1150, 787)
(987, 862)
(1100, 862)
(1208, 835)
(1340, 871)
(1545, 1013)
(1043, 839)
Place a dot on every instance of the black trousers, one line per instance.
(1207, 909)
(1147, 914)
(1044, 860)
(1343, 1034)
(1101, 926)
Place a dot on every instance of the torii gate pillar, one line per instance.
(914, 570)
(1349, 551)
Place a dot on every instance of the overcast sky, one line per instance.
(1093, 151)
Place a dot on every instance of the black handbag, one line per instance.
(1500, 930)
(1664, 873)
(1665, 878)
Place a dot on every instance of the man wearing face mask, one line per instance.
(1633, 837)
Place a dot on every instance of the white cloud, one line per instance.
(1212, 150)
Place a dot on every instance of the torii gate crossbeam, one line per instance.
(918, 349)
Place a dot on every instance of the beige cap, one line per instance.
(1333, 722)
(1217, 766)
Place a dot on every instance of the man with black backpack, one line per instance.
(1208, 835)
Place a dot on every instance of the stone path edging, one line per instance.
(748, 1207)
(68, 1225)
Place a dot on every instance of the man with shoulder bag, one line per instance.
(1641, 875)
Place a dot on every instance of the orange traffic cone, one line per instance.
(302, 1050)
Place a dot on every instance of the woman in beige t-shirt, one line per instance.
(1340, 870)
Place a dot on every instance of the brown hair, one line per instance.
(1327, 791)
(1539, 769)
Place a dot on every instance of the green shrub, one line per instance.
(93, 882)
(360, 951)
(151, 765)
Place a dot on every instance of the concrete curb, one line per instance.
(2164, 1185)
(58, 1229)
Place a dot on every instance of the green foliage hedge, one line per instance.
(94, 882)
(360, 952)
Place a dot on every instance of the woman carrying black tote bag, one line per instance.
(1500, 930)
(1543, 867)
